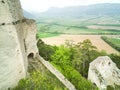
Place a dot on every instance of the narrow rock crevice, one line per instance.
(14, 22)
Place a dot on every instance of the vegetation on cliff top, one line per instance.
(40, 81)
(72, 60)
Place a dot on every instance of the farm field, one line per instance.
(64, 29)
(113, 41)
(95, 39)
(55, 31)
(80, 26)
(44, 35)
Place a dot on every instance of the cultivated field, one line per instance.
(104, 27)
(80, 26)
(79, 29)
(95, 39)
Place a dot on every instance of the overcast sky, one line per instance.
(42, 5)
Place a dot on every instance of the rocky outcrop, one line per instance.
(29, 31)
(104, 72)
(16, 35)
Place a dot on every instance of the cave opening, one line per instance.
(31, 55)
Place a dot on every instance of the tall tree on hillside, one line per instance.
(85, 53)
(45, 50)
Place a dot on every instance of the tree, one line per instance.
(62, 60)
(116, 59)
(62, 56)
(45, 50)
(84, 55)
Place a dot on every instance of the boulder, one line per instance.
(103, 72)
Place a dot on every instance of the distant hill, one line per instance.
(107, 9)
(28, 14)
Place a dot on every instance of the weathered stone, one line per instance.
(103, 72)
(17, 41)
(29, 27)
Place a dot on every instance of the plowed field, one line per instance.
(95, 39)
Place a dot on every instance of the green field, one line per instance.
(45, 34)
(114, 42)
(77, 26)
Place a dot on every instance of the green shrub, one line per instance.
(75, 78)
(61, 59)
(116, 59)
(39, 81)
(116, 87)
(45, 50)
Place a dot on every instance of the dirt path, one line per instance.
(95, 39)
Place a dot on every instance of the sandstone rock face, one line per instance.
(16, 35)
(29, 27)
(103, 72)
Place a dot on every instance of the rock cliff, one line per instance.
(16, 35)
(104, 72)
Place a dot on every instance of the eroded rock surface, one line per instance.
(17, 41)
(103, 72)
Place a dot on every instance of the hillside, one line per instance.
(28, 14)
(77, 11)
(92, 19)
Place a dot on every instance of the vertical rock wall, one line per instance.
(14, 43)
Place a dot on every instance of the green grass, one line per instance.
(49, 27)
(45, 34)
(65, 29)
(40, 81)
(75, 78)
(114, 42)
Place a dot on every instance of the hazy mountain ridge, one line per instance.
(28, 14)
(76, 11)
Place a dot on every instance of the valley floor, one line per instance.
(95, 39)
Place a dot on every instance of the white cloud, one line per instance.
(42, 5)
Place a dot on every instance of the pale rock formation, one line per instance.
(16, 35)
(103, 72)
(29, 27)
